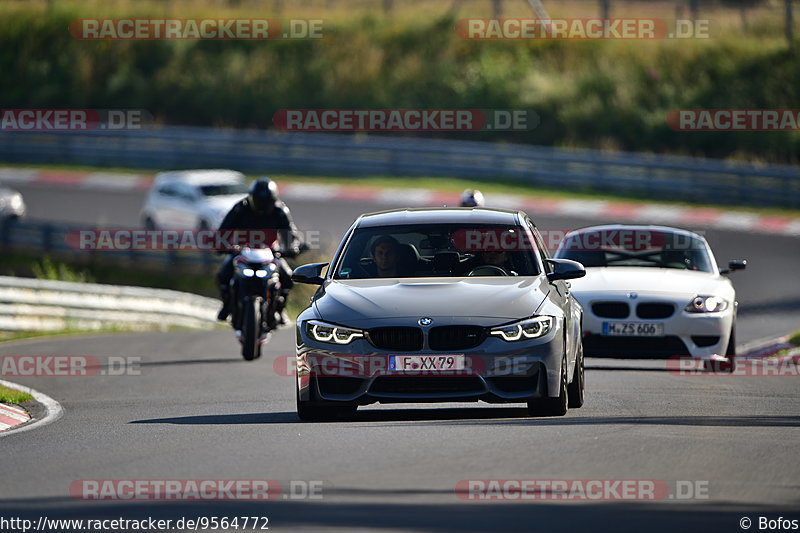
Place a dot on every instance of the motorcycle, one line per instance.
(256, 295)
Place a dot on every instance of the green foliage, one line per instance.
(600, 94)
(795, 338)
(48, 269)
(12, 396)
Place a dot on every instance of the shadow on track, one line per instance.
(627, 368)
(484, 415)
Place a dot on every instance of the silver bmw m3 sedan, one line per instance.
(440, 305)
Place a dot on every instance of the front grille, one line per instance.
(705, 340)
(427, 385)
(611, 309)
(655, 310)
(401, 339)
(455, 337)
(634, 346)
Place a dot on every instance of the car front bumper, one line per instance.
(496, 371)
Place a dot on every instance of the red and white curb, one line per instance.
(651, 213)
(11, 416)
(766, 348)
(53, 410)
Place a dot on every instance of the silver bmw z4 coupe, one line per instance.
(440, 305)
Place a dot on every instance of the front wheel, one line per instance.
(730, 352)
(552, 406)
(251, 321)
(575, 389)
(311, 412)
(728, 366)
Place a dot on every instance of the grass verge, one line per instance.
(12, 396)
(795, 338)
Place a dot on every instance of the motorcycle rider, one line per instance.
(261, 210)
(472, 198)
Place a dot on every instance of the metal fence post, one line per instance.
(47, 237)
(605, 9)
(497, 8)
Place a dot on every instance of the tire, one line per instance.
(149, 224)
(311, 412)
(250, 330)
(730, 352)
(575, 390)
(552, 406)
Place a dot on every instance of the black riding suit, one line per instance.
(279, 221)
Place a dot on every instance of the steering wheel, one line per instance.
(487, 270)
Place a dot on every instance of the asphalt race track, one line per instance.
(195, 410)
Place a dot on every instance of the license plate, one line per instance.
(423, 363)
(633, 329)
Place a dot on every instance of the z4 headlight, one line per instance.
(331, 333)
(530, 328)
(706, 304)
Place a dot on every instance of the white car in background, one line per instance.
(11, 204)
(652, 291)
(192, 199)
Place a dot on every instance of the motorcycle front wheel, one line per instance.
(251, 329)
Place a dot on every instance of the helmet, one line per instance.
(262, 195)
(472, 198)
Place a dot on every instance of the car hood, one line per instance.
(481, 301)
(645, 280)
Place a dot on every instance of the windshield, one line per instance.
(438, 250)
(636, 248)
(223, 189)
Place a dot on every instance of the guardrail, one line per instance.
(31, 304)
(51, 238)
(257, 151)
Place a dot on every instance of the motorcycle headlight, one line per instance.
(261, 273)
(16, 202)
(706, 304)
(322, 332)
(248, 272)
(531, 328)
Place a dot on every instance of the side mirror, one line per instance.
(733, 266)
(310, 273)
(565, 269)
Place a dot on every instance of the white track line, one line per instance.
(53, 408)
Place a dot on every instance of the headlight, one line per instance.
(531, 328)
(322, 332)
(706, 304)
(16, 202)
(248, 272)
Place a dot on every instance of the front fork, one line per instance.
(269, 303)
